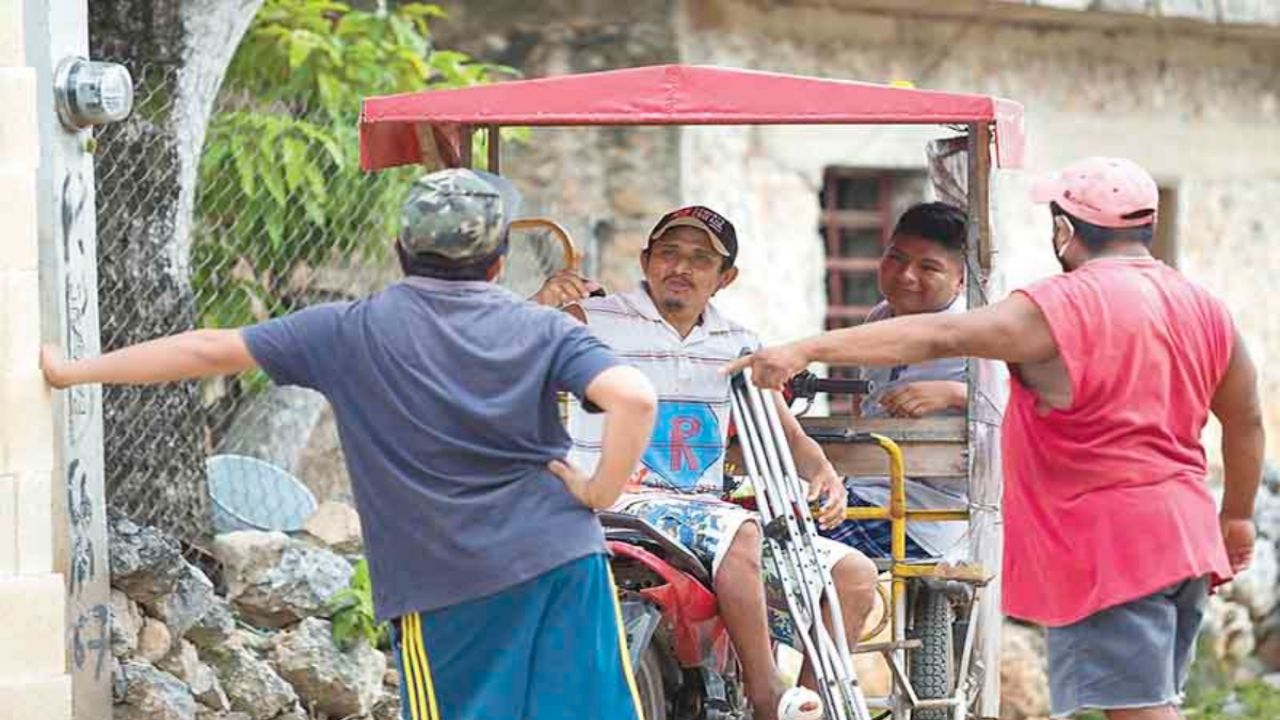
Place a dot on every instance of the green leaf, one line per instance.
(244, 165)
(344, 628)
(293, 153)
(301, 45)
(278, 181)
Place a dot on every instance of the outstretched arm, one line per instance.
(1012, 330)
(189, 355)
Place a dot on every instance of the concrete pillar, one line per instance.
(54, 641)
(33, 675)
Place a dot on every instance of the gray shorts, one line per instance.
(1129, 656)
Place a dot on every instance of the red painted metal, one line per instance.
(687, 605)
(665, 95)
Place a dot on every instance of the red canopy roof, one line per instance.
(390, 126)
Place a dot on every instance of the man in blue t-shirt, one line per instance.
(483, 546)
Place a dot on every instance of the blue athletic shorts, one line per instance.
(550, 648)
(1133, 655)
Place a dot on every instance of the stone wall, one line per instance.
(607, 185)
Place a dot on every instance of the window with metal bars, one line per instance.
(859, 209)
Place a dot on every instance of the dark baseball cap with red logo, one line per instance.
(723, 237)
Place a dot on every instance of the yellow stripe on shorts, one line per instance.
(622, 645)
(411, 679)
(427, 694)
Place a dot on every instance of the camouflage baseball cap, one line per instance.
(458, 215)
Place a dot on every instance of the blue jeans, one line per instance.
(1132, 655)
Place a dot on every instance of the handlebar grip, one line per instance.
(807, 385)
(843, 387)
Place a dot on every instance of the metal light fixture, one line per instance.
(92, 93)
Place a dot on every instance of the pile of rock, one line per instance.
(264, 651)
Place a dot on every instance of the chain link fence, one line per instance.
(281, 218)
(155, 437)
(252, 211)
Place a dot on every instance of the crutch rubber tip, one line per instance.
(800, 703)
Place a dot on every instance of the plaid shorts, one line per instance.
(873, 538)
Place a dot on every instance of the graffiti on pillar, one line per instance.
(91, 635)
(89, 618)
(75, 199)
(83, 566)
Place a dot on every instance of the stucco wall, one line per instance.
(1198, 103)
(1200, 110)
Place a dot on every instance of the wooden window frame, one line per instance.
(835, 219)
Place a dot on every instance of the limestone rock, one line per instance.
(215, 629)
(153, 694)
(1024, 679)
(145, 563)
(184, 663)
(336, 525)
(328, 679)
(275, 581)
(1268, 650)
(204, 713)
(154, 640)
(191, 598)
(1258, 587)
(251, 685)
(388, 708)
(1227, 632)
(126, 622)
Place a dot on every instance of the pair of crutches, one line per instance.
(789, 534)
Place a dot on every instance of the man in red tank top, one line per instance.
(1112, 540)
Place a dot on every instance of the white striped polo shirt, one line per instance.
(686, 452)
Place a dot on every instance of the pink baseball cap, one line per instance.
(1109, 192)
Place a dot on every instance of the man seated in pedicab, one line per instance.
(669, 329)
(921, 271)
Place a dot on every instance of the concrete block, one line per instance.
(1130, 7)
(19, 245)
(35, 529)
(8, 525)
(1206, 10)
(11, 45)
(34, 611)
(1248, 12)
(46, 698)
(1062, 4)
(26, 425)
(20, 336)
(19, 139)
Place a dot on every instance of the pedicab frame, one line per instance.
(435, 129)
